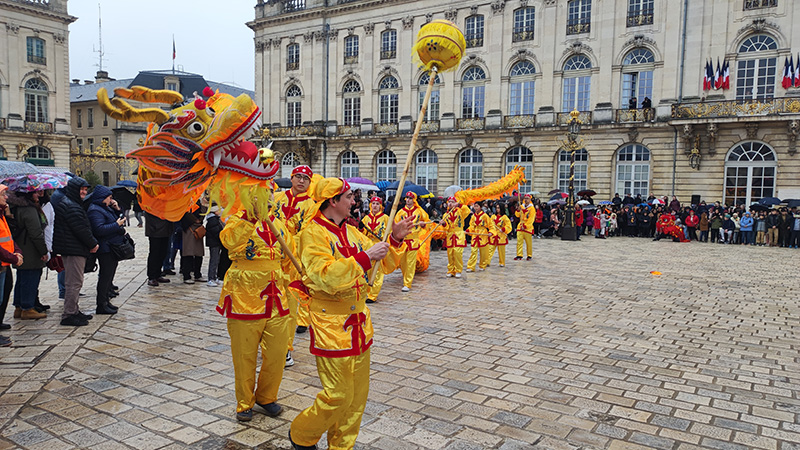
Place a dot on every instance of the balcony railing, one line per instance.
(388, 54)
(35, 59)
(642, 17)
(386, 128)
(759, 4)
(474, 40)
(477, 123)
(294, 5)
(525, 35)
(585, 117)
(293, 65)
(430, 126)
(720, 109)
(528, 121)
(305, 130)
(348, 130)
(39, 127)
(350, 59)
(578, 27)
(634, 115)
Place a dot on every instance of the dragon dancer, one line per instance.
(527, 215)
(500, 240)
(292, 207)
(337, 259)
(375, 225)
(408, 264)
(481, 228)
(456, 239)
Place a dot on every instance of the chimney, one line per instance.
(88, 82)
(102, 76)
(76, 81)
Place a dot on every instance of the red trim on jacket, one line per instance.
(227, 310)
(358, 341)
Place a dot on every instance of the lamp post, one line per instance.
(569, 232)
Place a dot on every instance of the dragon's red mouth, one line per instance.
(239, 155)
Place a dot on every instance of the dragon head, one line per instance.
(189, 146)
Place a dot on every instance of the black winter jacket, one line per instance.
(156, 227)
(72, 234)
(105, 227)
(213, 227)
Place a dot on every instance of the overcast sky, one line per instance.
(211, 38)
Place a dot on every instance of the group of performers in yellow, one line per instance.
(264, 296)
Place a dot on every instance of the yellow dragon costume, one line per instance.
(201, 146)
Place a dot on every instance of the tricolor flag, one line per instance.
(788, 74)
(797, 72)
(708, 75)
(717, 77)
(173, 48)
(726, 75)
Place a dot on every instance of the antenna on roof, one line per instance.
(99, 50)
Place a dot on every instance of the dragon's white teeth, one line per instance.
(217, 159)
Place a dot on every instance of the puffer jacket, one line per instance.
(30, 223)
(72, 233)
(104, 222)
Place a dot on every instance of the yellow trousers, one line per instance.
(408, 265)
(501, 253)
(376, 286)
(339, 406)
(455, 260)
(485, 257)
(246, 336)
(291, 296)
(528, 239)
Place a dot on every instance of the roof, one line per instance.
(154, 79)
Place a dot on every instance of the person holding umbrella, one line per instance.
(408, 263)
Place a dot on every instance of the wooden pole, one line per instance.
(431, 234)
(409, 158)
(284, 245)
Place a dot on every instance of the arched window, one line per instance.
(576, 92)
(389, 90)
(294, 106)
(288, 162)
(522, 87)
(756, 67)
(750, 169)
(474, 31)
(35, 100)
(387, 166)
(473, 93)
(633, 170)
(389, 44)
(523, 157)
(579, 16)
(293, 57)
(581, 170)
(351, 49)
(427, 169)
(352, 102)
(470, 168)
(434, 104)
(348, 164)
(39, 152)
(637, 77)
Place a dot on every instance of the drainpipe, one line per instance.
(327, 28)
(680, 91)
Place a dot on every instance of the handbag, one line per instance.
(199, 232)
(125, 249)
(55, 263)
(91, 263)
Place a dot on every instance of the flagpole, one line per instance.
(173, 54)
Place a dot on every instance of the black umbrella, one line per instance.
(758, 207)
(587, 192)
(123, 196)
(554, 191)
(283, 183)
(769, 201)
(793, 203)
(559, 196)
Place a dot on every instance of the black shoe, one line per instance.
(168, 272)
(271, 409)
(5, 326)
(85, 316)
(371, 301)
(41, 305)
(5, 342)
(110, 306)
(245, 416)
(162, 280)
(152, 282)
(105, 310)
(528, 258)
(300, 447)
(40, 309)
(301, 329)
(518, 258)
(74, 321)
(114, 287)
(112, 294)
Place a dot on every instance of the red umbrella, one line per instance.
(587, 192)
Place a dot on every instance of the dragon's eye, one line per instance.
(195, 129)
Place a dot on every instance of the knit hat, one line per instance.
(101, 192)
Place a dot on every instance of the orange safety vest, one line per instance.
(5, 238)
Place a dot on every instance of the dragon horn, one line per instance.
(120, 110)
(147, 95)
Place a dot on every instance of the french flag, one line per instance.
(788, 74)
(717, 77)
(797, 73)
(726, 75)
(708, 77)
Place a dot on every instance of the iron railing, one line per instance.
(304, 130)
(385, 128)
(733, 108)
(759, 4)
(35, 59)
(527, 121)
(578, 27)
(563, 118)
(477, 123)
(474, 40)
(634, 115)
(388, 54)
(640, 17)
(430, 126)
(348, 130)
(39, 127)
(525, 35)
(350, 59)
(293, 65)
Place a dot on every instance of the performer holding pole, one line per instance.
(375, 223)
(456, 239)
(527, 215)
(408, 265)
(482, 230)
(500, 240)
(440, 46)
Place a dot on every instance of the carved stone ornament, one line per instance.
(578, 48)
(388, 24)
(319, 36)
(523, 3)
(291, 40)
(498, 6)
(633, 135)
(333, 34)
(451, 14)
(473, 10)
(638, 41)
(428, 17)
(759, 25)
(517, 138)
(384, 144)
(369, 28)
(408, 22)
(59, 38)
(549, 2)
(468, 140)
(752, 129)
(261, 45)
(794, 130)
(687, 132)
(423, 143)
(711, 131)
(351, 31)
(12, 27)
(308, 37)
(347, 145)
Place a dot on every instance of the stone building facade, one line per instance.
(339, 91)
(34, 81)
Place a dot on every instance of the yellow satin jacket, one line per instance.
(481, 225)
(503, 226)
(293, 209)
(336, 278)
(376, 225)
(255, 285)
(412, 240)
(527, 215)
(453, 222)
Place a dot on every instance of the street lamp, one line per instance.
(569, 232)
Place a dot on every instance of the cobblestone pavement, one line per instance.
(580, 348)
